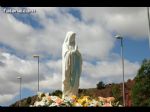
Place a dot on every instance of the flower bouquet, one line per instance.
(45, 100)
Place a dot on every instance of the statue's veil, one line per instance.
(66, 42)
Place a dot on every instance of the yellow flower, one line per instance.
(73, 97)
(89, 101)
(85, 105)
(80, 101)
(77, 104)
(85, 97)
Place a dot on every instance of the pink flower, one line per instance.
(107, 105)
(49, 98)
(59, 101)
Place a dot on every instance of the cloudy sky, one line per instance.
(23, 35)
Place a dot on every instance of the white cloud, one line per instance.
(5, 98)
(128, 21)
(107, 70)
(53, 34)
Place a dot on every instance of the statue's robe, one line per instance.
(71, 70)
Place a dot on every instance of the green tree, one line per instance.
(140, 93)
(101, 85)
(116, 92)
(57, 93)
(29, 100)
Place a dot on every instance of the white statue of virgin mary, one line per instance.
(71, 66)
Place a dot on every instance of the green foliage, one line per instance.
(29, 100)
(24, 103)
(141, 88)
(57, 93)
(116, 92)
(101, 85)
(82, 92)
(115, 104)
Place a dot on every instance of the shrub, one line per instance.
(101, 85)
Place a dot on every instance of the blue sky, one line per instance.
(134, 50)
(43, 32)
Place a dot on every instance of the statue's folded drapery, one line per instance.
(71, 66)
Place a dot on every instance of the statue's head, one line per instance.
(70, 38)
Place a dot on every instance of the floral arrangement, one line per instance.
(45, 100)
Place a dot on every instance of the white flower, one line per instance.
(120, 105)
(47, 103)
(93, 103)
(42, 103)
(40, 94)
(67, 99)
(44, 99)
(46, 94)
(53, 104)
(37, 104)
(54, 98)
